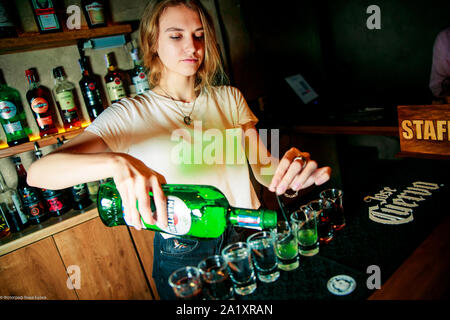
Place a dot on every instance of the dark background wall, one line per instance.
(329, 43)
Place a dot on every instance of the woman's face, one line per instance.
(181, 46)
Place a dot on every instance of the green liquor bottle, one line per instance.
(194, 211)
(12, 115)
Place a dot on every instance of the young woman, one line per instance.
(133, 141)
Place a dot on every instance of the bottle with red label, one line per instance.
(114, 79)
(67, 100)
(44, 12)
(90, 90)
(42, 105)
(57, 201)
(35, 206)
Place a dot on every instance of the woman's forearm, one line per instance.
(62, 170)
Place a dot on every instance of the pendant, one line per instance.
(187, 120)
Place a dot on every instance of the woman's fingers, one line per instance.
(144, 203)
(160, 202)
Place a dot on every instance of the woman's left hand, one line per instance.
(297, 171)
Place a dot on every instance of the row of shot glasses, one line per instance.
(264, 254)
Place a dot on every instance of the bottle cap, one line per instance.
(58, 72)
(29, 72)
(269, 219)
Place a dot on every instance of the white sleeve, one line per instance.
(115, 126)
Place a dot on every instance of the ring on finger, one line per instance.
(304, 160)
(287, 195)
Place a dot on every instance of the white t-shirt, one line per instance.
(150, 127)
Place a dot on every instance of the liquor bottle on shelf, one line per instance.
(46, 17)
(35, 206)
(4, 227)
(94, 12)
(114, 79)
(138, 74)
(90, 90)
(67, 101)
(194, 211)
(7, 25)
(57, 201)
(12, 115)
(42, 105)
(79, 193)
(11, 207)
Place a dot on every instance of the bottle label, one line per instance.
(39, 105)
(115, 88)
(250, 222)
(7, 110)
(80, 192)
(45, 13)
(66, 101)
(44, 121)
(178, 216)
(95, 11)
(140, 83)
(36, 209)
(12, 127)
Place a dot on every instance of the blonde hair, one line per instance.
(210, 72)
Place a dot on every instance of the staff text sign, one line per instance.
(424, 129)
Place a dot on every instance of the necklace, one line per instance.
(187, 118)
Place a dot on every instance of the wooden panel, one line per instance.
(35, 271)
(424, 129)
(144, 245)
(107, 260)
(425, 274)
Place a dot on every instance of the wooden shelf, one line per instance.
(359, 130)
(33, 40)
(46, 141)
(45, 229)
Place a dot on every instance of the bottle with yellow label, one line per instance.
(114, 80)
(67, 101)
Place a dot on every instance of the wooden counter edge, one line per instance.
(424, 275)
(48, 231)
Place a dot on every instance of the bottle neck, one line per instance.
(3, 185)
(252, 219)
(21, 171)
(32, 82)
(112, 68)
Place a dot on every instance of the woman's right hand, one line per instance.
(134, 180)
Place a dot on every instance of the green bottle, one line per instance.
(194, 211)
(12, 115)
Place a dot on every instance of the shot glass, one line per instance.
(323, 207)
(186, 283)
(216, 278)
(262, 245)
(286, 247)
(335, 196)
(240, 267)
(304, 224)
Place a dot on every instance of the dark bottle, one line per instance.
(79, 192)
(90, 90)
(114, 79)
(11, 207)
(57, 201)
(42, 105)
(67, 100)
(94, 11)
(7, 25)
(45, 15)
(35, 206)
(12, 115)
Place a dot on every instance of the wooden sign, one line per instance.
(424, 129)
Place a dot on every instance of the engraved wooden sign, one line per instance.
(424, 129)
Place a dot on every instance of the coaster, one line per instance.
(341, 285)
